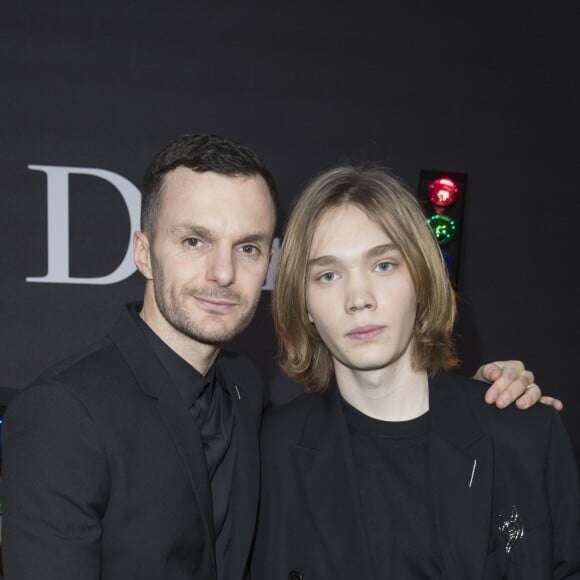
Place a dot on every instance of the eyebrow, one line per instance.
(254, 238)
(323, 261)
(382, 249)
(202, 231)
(181, 229)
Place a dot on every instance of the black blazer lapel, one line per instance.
(187, 439)
(461, 458)
(155, 383)
(246, 484)
(324, 463)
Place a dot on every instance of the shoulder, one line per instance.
(100, 366)
(91, 373)
(99, 357)
(474, 392)
(523, 429)
(282, 427)
(286, 422)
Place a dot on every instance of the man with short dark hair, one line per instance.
(138, 457)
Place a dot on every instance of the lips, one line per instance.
(215, 305)
(365, 332)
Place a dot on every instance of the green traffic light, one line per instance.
(443, 227)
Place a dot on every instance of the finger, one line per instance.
(499, 391)
(489, 373)
(491, 395)
(552, 402)
(498, 387)
(516, 388)
(515, 370)
(530, 397)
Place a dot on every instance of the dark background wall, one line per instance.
(491, 89)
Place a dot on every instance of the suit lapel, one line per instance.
(462, 477)
(245, 486)
(186, 437)
(325, 465)
(155, 383)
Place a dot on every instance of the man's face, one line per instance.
(359, 293)
(210, 252)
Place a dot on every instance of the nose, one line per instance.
(360, 295)
(220, 267)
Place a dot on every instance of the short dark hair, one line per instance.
(199, 153)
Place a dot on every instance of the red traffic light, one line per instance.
(443, 192)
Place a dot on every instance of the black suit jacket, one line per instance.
(104, 471)
(310, 519)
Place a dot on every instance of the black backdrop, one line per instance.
(491, 89)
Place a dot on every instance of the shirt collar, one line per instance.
(189, 381)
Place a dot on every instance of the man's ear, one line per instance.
(310, 317)
(142, 254)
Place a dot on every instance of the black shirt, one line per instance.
(211, 408)
(391, 468)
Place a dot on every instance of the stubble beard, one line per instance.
(173, 307)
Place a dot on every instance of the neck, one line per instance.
(394, 393)
(199, 355)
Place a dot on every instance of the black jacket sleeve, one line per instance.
(55, 483)
(564, 501)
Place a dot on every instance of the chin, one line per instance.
(374, 363)
(219, 333)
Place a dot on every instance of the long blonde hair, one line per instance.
(386, 202)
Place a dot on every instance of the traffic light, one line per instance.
(442, 194)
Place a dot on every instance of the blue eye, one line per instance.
(327, 277)
(384, 266)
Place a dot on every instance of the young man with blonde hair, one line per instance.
(389, 467)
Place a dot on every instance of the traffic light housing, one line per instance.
(442, 194)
